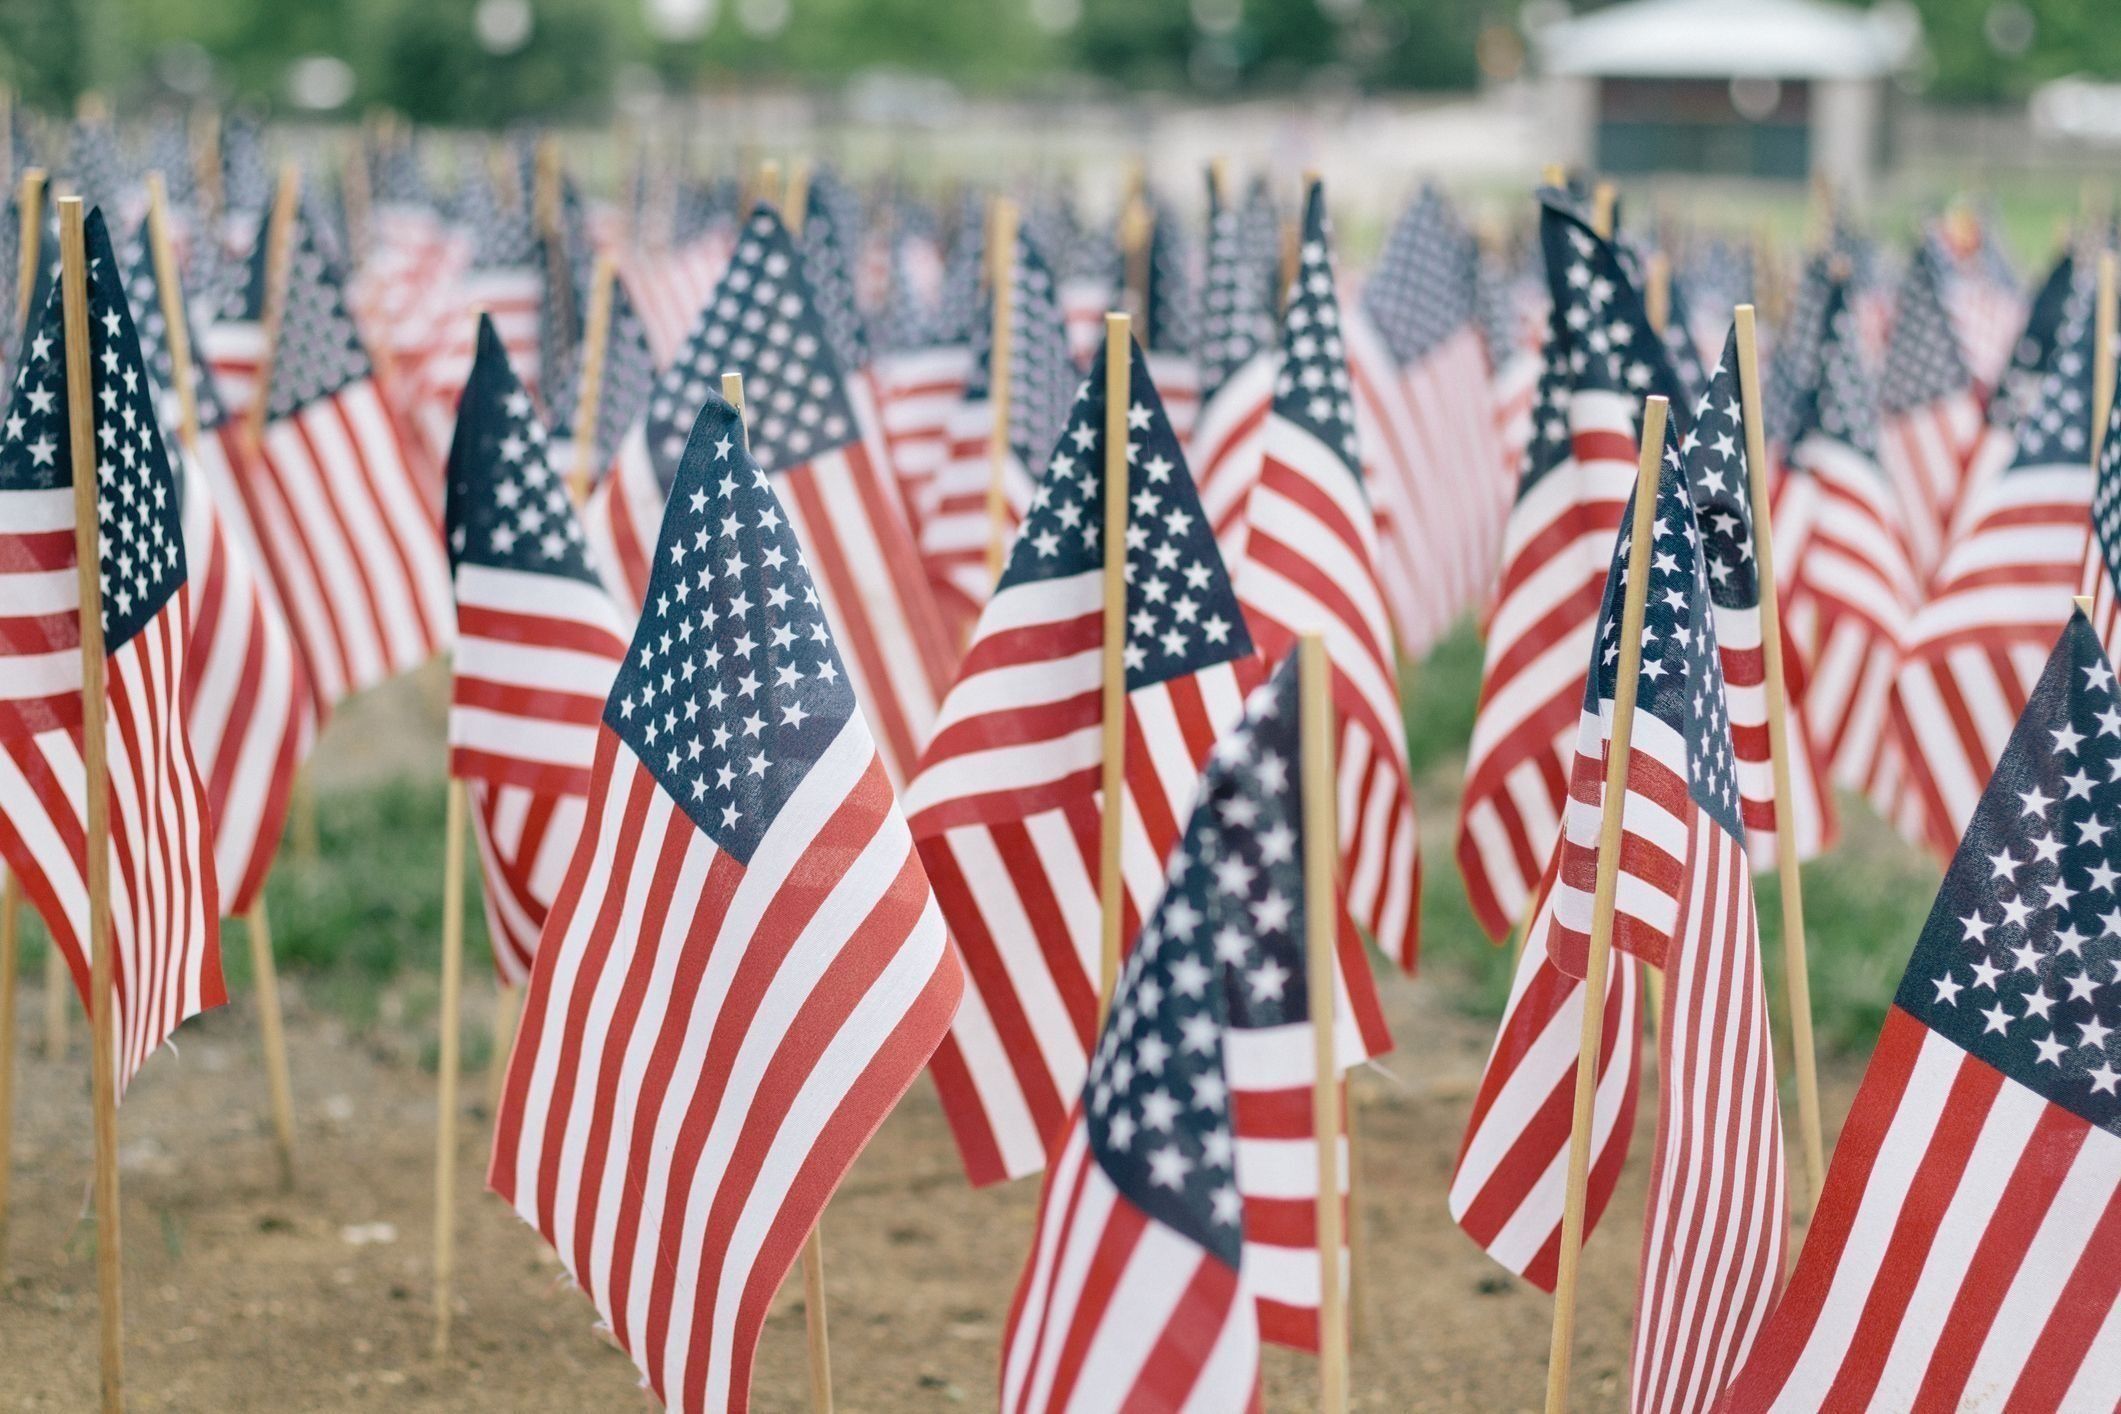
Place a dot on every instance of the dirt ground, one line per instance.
(240, 1296)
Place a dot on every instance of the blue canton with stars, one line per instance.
(2054, 421)
(1426, 285)
(1223, 948)
(1313, 389)
(1841, 403)
(1714, 448)
(1182, 613)
(506, 506)
(1923, 363)
(2020, 961)
(1041, 374)
(144, 291)
(137, 505)
(764, 323)
(732, 687)
(1681, 678)
(831, 231)
(2106, 499)
(2036, 346)
(319, 350)
(1237, 307)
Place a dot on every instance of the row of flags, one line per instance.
(771, 821)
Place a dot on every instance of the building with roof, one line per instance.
(1774, 89)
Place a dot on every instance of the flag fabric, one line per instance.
(2019, 389)
(744, 968)
(1713, 1237)
(626, 368)
(1849, 590)
(1166, 330)
(1723, 505)
(1513, 343)
(249, 708)
(813, 431)
(1982, 293)
(1929, 410)
(1975, 648)
(1237, 358)
(674, 275)
(351, 535)
(957, 524)
(1601, 357)
(1427, 421)
(164, 903)
(2100, 576)
(1195, 1121)
(538, 643)
(504, 280)
(1006, 804)
(1966, 1252)
(925, 356)
(1311, 566)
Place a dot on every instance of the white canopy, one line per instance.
(1779, 39)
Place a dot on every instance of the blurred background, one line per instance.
(1895, 101)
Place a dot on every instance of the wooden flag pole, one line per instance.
(1321, 873)
(29, 205)
(596, 333)
(205, 134)
(796, 208)
(1633, 607)
(1111, 888)
(10, 964)
(1001, 291)
(103, 1023)
(1657, 290)
(814, 1245)
(507, 1010)
(1810, 1128)
(451, 1019)
(2102, 354)
(271, 1030)
(1604, 197)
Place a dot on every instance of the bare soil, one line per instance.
(241, 1296)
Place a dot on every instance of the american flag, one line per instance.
(1849, 589)
(1512, 335)
(2100, 576)
(830, 236)
(1712, 1241)
(957, 526)
(2020, 385)
(1981, 291)
(1601, 357)
(505, 281)
(402, 291)
(1191, 1145)
(248, 704)
(1006, 806)
(1428, 421)
(627, 372)
(164, 905)
(1723, 504)
(674, 274)
(744, 969)
(351, 536)
(1167, 333)
(1967, 1249)
(1974, 650)
(1237, 358)
(810, 431)
(925, 355)
(1929, 407)
(1311, 566)
(538, 643)
(1086, 259)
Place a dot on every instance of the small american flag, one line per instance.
(1967, 1249)
(1712, 1242)
(248, 703)
(1849, 587)
(747, 897)
(812, 429)
(924, 355)
(351, 535)
(1982, 292)
(2019, 389)
(1601, 357)
(1974, 650)
(1929, 410)
(164, 903)
(1428, 422)
(1167, 328)
(1006, 803)
(1311, 565)
(1160, 1172)
(2100, 576)
(956, 525)
(504, 280)
(1237, 354)
(626, 376)
(673, 275)
(538, 643)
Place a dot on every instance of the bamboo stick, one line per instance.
(1321, 871)
(279, 238)
(1811, 1132)
(88, 560)
(446, 1107)
(29, 204)
(10, 964)
(2102, 354)
(814, 1246)
(507, 1010)
(1657, 290)
(1604, 198)
(1001, 287)
(596, 333)
(1599, 962)
(797, 206)
(1111, 888)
